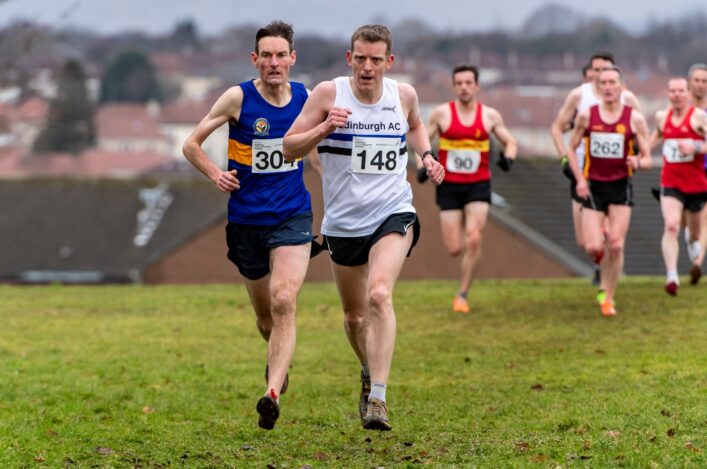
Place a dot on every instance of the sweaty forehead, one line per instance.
(677, 85)
(465, 75)
(273, 44)
(609, 75)
(361, 47)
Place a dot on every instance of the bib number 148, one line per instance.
(375, 155)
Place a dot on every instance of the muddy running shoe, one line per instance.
(671, 288)
(268, 410)
(376, 416)
(365, 391)
(460, 305)
(285, 383)
(695, 274)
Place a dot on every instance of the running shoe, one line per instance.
(376, 416)
(607, 308)
(268, 410)
(460, 305)
(601, 296)
(693, 250)
(695, 274)
(672, 288)
(285, 383)
(365, 391)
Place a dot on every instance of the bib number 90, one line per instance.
(463, 161)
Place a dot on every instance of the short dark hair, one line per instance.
(585, 69)
(276, 29)
(374, 33)
(466, 68)
(608, 56)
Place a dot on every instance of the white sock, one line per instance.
(673, 277)
(377, 392)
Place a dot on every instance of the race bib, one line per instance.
(606, 145)
(268, 158)
(672, 154)
(375, 155)
(463, 161)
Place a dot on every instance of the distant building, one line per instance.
(130, 128)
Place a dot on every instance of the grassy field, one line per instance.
(534, 377)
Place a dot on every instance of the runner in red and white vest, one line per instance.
(683, 185)
(604, 185)
(697, 86)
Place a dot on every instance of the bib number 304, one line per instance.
(268, 158)
(375, 155)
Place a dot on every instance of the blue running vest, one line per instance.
(272, 190)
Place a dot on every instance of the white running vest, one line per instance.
(364, 164)
(587, 100)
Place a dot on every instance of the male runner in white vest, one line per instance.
(362, 125)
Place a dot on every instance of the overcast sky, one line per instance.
(329, 17)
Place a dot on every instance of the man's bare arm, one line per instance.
(631, 100)
(657, 134)
(644, 152)
(417, 139)
(577, 134)
(317, 119)
(226, 107)
(499, 129)
(563, 119)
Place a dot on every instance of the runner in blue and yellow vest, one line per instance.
(269, 230)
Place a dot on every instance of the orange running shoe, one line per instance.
(607, 308)
(460, 305)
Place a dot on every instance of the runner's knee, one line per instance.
(616, 246)
(672, 226)
(592, 249)
(473, 240)
(353, 320)
(380, 297)
(282, 299)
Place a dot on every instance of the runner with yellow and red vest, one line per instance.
(464, 127)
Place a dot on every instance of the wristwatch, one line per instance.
(430, 152)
